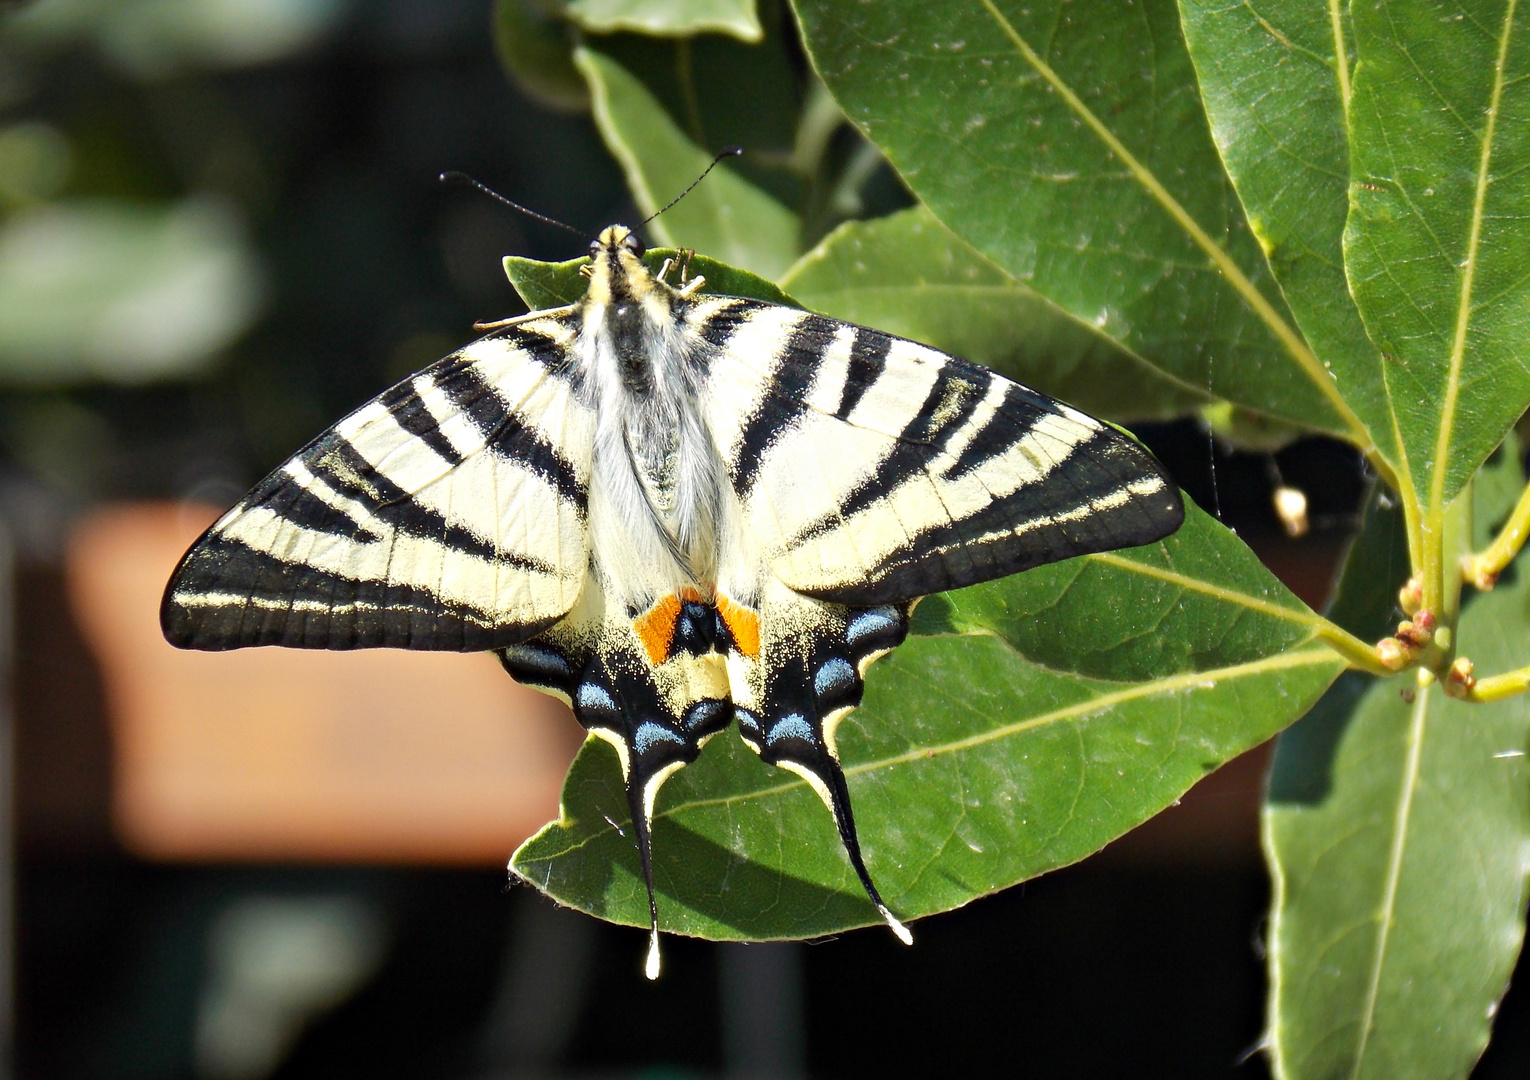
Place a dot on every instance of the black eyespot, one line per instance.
(633, 244)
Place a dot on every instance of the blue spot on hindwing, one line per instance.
(707, 716)
(871, 622)
(836, 674)
(791, 726)
(595, 699)
(748, 723)
(649, 733)
(537, 663)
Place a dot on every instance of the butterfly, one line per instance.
(673, 510)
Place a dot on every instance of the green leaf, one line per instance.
(722, 91)
(1398, 835)
(536, 48)
(1436, 246)
(910, 275)
(545, 285)
(726, 217)
(1274, 79)
(666, 18)
(1248, 430)
(1025, 724)
(1066, 142)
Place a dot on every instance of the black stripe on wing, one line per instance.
(868, 358)
(793, 377)
(236, 589)
(266, 601)
(504, 430)
(1036, 524)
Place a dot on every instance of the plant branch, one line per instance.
(1356, 653)
(1498, 687)
(1482, 569)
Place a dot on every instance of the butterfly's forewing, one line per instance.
(447, 513)
(874, 470)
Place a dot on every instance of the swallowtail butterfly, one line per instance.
(672, 510)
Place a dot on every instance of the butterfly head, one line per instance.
(617, 273)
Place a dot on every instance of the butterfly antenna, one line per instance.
(464, 178)
(732, 151)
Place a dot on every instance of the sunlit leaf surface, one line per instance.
(1275, 78)
(1024, 725)
(1066, 142)
(1440, 133)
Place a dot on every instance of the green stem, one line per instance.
(1483, 568)
(1502, 686)
(1356, 653)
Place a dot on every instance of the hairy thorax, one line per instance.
(657, 468)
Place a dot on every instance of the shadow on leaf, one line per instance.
(1302, 772)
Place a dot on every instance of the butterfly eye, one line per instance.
(634, 245)
(594, 248)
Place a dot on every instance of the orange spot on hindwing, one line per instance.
(743, 625)
(656, 628)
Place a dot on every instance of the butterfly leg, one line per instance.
(515, 320)
(807, 676)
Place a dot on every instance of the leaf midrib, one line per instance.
(1469, 271)
(1398, 849)
(1340, 57)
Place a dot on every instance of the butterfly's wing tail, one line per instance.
(805, 675)
(628, 685)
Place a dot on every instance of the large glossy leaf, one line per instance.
(726, 217)
(1398, 835)
(666, 18)
(1436, 244)
(1066, 142)
(1025, 724)
(1275, 81)
(910, 275)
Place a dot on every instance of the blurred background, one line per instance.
(221, 230)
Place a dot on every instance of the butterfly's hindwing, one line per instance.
(447, 513)
(874, 470)
(653, 686)
(808, 675)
